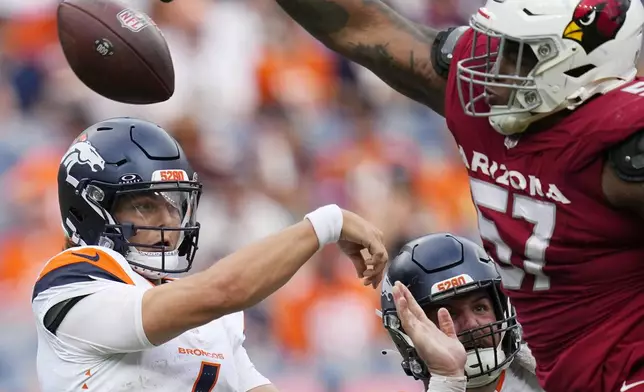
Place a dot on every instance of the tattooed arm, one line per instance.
(376, 37)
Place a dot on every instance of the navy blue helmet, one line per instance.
(122, 161)
(436, 268)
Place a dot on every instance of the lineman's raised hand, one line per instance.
(438, 347)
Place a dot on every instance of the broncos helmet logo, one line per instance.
(82, 153)
(387, 289)
(595, 22)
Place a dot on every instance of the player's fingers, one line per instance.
(445, 323)
(373, 278)
(375, 281)
(371, 271)
(370, 268)
(407, 318)
(378, 254)
(413, 305)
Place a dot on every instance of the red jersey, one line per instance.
(572, 264)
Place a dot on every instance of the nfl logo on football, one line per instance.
(133, 20)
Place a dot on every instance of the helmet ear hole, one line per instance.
(580, 71)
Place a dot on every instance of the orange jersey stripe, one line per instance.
(93, 256)
(499, 384)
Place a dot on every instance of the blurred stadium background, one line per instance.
(276, 125)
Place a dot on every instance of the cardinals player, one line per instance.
(107, 316)
(543, 101)
(450, 282)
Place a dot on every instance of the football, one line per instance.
(116, 51)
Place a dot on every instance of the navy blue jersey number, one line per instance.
(207, 377)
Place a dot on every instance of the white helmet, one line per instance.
(583, 48)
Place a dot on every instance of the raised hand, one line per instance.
(363, 243)
(438, 347)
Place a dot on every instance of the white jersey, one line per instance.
(519, 377)
(117, 356)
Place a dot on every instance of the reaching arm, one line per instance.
(251, 274)
(376, 37)
(234, 283)
(119, 316)
(128, 318)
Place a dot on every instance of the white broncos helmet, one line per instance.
(583, 48)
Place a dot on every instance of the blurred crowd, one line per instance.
(276, 125)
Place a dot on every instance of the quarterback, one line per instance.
(109, 318)
(450, 282)
(543, 101)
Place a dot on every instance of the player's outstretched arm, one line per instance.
(249, 275)
(377, 37)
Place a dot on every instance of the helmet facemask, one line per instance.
(491, 347)
(152, 224)
(506, 64)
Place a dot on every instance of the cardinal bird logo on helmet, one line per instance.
(595, 22)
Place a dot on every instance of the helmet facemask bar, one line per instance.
(480, 74)
(490, 347)
(161, 256)
(502, 334)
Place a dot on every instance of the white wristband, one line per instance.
(447, 384)
(327, 222)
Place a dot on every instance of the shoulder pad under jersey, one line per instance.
(628, 158)
(70, 276)
(82, 264)
(443, 47)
